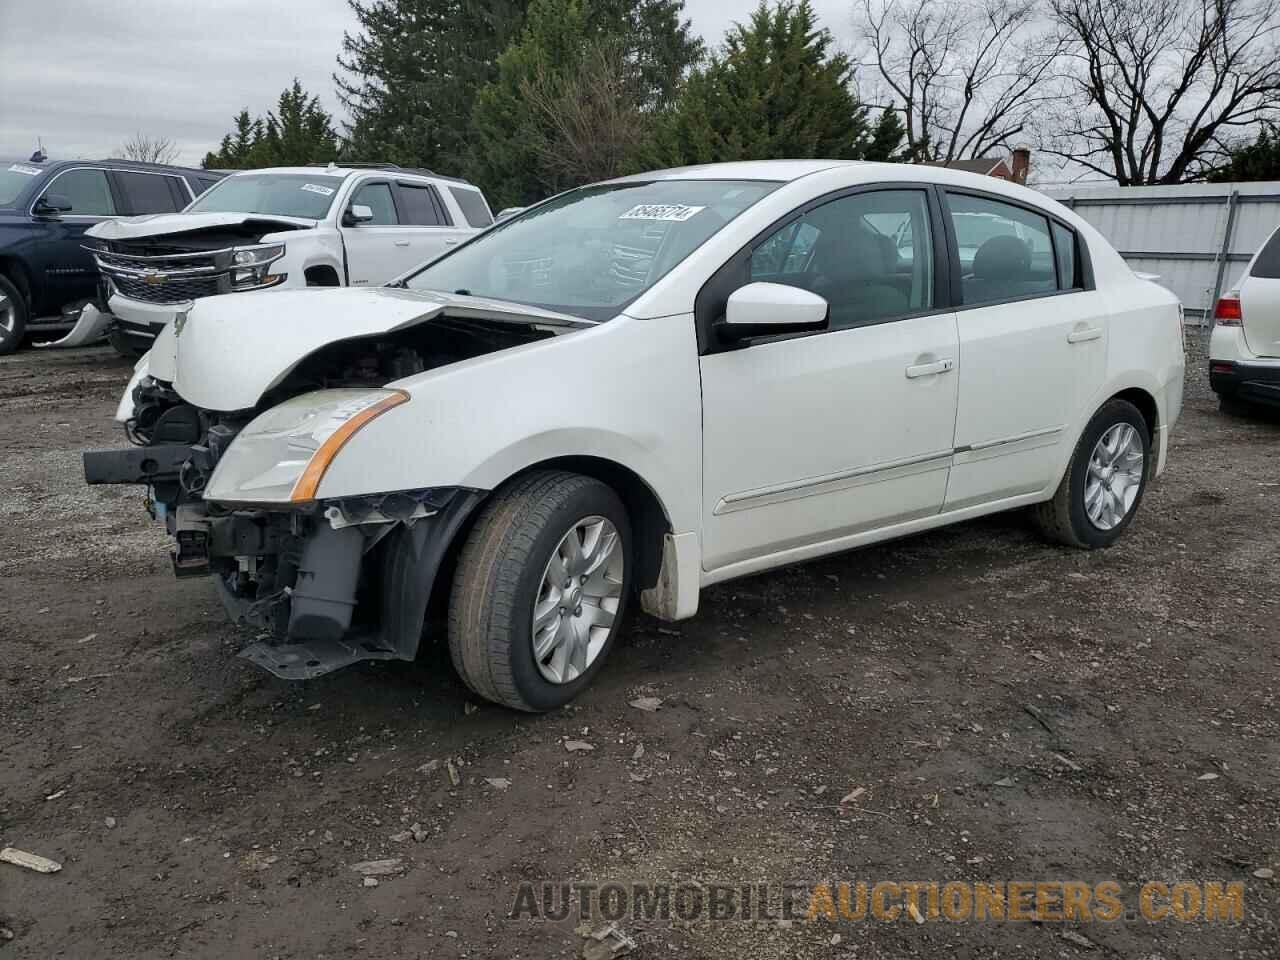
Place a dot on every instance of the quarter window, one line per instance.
(86, 191)
(1005, 251)
(473, 206)
(1064, 250)
(377, 197)
(870, 255)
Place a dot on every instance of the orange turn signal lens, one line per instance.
(305, 489)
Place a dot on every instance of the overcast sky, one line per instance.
(85, 75)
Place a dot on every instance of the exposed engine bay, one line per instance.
(329, 582)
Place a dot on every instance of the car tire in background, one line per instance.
(1104, 482)
(540, 590)
(1234, 407)
(13, 316)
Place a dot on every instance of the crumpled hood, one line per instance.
(161, 224)
(227, 351)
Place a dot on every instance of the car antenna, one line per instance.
(39, 156)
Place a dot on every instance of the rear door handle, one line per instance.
(930, 369)
(451, 241)
(1084, 336)
(402, 243)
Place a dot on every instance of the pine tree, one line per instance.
(777, 89)
(297, 133)
(410, 76)
(1259, 160)
(886, 137)
(576, 96)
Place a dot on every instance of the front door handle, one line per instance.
(1085, 335)
(451, 241)
(402, 243)
(930, 369)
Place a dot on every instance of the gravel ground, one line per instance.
(201, 808)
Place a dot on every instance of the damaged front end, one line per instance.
(326, 581)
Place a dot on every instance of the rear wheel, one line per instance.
(1104, 482)
(1234, 407)
(13, 316)
(540, 590)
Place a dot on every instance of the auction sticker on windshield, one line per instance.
(676, 212)
(316, 188)
(29, 171)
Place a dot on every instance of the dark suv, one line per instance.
(46, 206)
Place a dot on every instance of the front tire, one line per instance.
(540, 590)
(1104, 482)
(13, 316)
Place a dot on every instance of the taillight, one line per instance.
(1227, 312)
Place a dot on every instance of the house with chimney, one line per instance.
(1014, 169)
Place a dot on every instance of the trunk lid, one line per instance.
(226, 352)
(1260, 300)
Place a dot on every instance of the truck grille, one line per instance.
(165, 274)
(165, 290)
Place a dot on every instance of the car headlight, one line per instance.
(282, 455)
(249, 266)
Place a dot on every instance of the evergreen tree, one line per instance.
(777, 89)
(576, 96)
(409, 77)
(299, 132)
(886, 137)
(1259, 160)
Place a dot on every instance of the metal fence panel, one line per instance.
(1197, 237)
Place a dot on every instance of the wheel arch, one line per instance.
(323, 274)
(650, 523)
(1146, 404)
(17, 273)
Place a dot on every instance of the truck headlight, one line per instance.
(249, 266)
(282, 455)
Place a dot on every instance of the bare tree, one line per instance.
(592, 119)
(968, 75)
(149, 149)
(1160, 86)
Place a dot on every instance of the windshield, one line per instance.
(14, 178)
(274, 194)
(592, 251)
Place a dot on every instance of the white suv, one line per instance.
(319, 226)
(1244, 348)
(640, 388)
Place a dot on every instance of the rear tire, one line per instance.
(522, 538)
(1233, 407)
(13, 316)
(1098, 496)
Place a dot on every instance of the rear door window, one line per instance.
(472, 205)
(150, 193)
(87, 192)
(421, 206)
(1005, 251)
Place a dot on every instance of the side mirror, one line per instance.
(769, 309)
(52, 204)
(357, 213)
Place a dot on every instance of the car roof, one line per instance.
(114, 163)
(773, 170)
(337, 170)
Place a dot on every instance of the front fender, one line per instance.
(626, 391)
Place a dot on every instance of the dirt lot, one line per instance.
(201, 808)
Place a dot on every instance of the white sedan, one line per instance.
(640, 388)
(1244, 348)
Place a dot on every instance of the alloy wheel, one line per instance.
(1116, 469)
(578, 599)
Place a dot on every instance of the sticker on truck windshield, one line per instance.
(671, 212)
(28, 171)
(316, 188)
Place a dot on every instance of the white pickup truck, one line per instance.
(319, 226)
